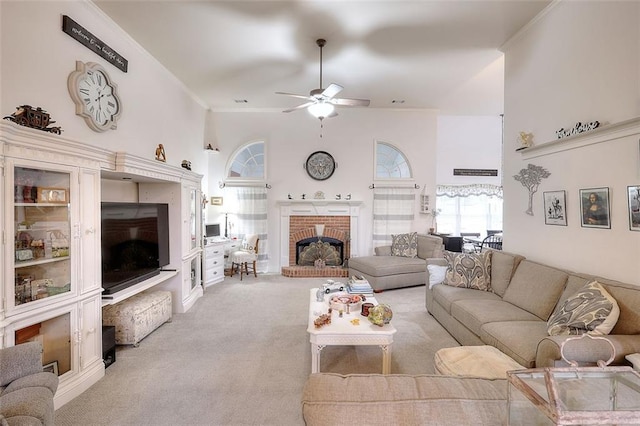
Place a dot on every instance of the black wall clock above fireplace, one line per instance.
(320, 165)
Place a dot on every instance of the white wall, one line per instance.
(578, 63)
(37, 58)
(350, 138)
(469, 142)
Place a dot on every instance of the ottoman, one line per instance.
(484, 362)
(139, 315)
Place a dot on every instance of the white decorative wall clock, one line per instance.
(95, 96)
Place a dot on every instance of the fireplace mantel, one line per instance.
(315, 207)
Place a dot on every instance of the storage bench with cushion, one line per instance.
(390, 269)
(139, 315)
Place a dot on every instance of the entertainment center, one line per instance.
(59, 201)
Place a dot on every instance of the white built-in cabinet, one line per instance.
(50, 249)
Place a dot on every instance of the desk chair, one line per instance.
(470, 245)
(492, 241)
(247, 254)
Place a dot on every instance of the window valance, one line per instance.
(469, 190)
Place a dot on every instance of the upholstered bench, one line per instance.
(137, 316)
(485, 362)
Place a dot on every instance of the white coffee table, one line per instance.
(342, 332)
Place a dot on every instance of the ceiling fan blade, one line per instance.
(292, 94)
(350, 102)
(331, 90)
(302, 106)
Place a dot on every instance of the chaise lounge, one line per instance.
(387, 270)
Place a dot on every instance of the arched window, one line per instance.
(248, 162)
(391, 163)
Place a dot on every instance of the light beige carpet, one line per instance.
(241, 356)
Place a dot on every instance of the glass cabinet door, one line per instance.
(193, 223)
(42, 234)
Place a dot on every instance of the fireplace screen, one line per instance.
(330, 250)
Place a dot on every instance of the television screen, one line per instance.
(212, 230)
(135, 243)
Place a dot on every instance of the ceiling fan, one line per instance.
(321, 102)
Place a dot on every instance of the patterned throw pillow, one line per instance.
(469, 270)
(404, 245)
(590, 310)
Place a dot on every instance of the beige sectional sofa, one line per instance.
(513, 316)
(385, 272)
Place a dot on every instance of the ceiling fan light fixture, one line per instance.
(321, 109)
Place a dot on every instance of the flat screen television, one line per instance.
(135, 243)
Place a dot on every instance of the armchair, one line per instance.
(26, 392)
(248, 254)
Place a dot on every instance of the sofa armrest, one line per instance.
(584, 351)
(19, 361)
(383, 251)
(440, 261)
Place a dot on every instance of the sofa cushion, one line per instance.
(536, 288)
(474, 313)
(430, 246)
(590, 310)
(382, 266)
(503, 265)
(36, 402)
(508, 337)
(404, 245)
(396, 399)
(436, 274)
(626, 295)
(468, 270)
(445, 295)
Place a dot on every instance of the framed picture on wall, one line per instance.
(555, 208)
(594, 208)
(633, 193)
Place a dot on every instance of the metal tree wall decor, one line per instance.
(530, 178)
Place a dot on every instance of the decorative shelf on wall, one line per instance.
(601, 134)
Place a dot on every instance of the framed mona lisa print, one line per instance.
(594, 208)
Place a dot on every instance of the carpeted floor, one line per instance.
(241, 356)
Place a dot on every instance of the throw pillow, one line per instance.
(590, 310)
(469, 270)
(404, 245)
(436, 274)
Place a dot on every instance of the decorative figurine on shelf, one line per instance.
(304, 196)
(319, 195)
(348, 197)
(525, 140)
(338, 197)
(160, 155)
(26, 115)
(289, 197)
(186, 164)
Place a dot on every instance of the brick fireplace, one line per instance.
(333, 224)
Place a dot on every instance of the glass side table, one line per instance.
(574, 395)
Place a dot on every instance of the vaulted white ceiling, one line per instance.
(429, 54)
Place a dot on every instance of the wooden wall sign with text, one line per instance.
(93, 43)
(475, 172)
